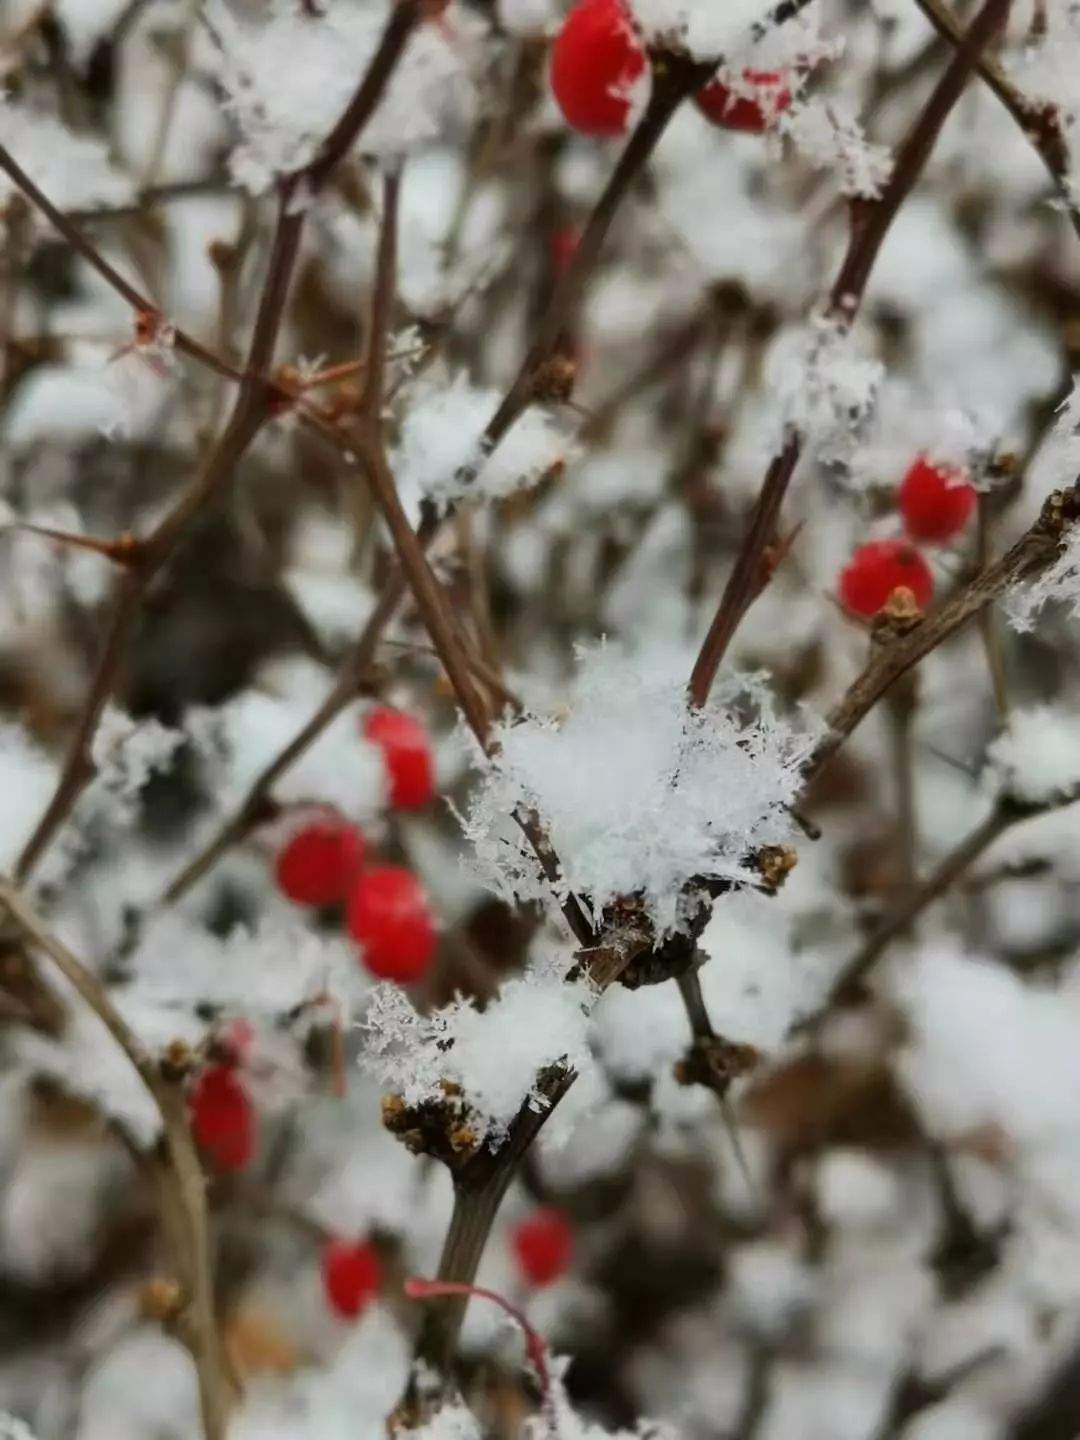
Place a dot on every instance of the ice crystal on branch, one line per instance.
(324, 57)
(440, 445)
(637, 792)
(1060, 584)
(828, 135)
(495, 1057)
(827, 389)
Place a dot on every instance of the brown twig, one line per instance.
(870, 222)
(184, 1207)
(1041, 124)
(254, 405)
(93, 257)
(1006, 813)
(1036, 549)
(988, 626)
(360, 658)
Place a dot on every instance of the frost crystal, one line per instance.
(440, 438)
(827, 133)
(282, 125)
(496, 1055)
(1025, 601)
(737, 30)
(127, 753)
(637, 792)
(827, 390)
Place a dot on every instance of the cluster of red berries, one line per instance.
(598, 58)
(324, 863)
(935, 503)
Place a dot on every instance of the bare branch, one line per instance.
(870, 222)
(1007, 813)
(254, 405)
(185, 1185)
(1041, 124)
(1033, 552)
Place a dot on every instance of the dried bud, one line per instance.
(554, 379)
(715, 1062)
(160, 1299)
(776, 862)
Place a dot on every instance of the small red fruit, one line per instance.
(223, 1119)
(935, 501)
(320, 860)
(351, 1276)
(594, 62)
(544, 1245)
(879, 568)
(407, 755)
(746, 112)
(388, 914)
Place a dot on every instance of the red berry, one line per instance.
(351, 1276)
(594, 62)
(544, 1245)
(223, 1119)
(936, 501)
(320, 860)
(407, 754)
(879, 568)
(388, 914)
(745, 112)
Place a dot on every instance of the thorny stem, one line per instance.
(701, 1028)
(870, 222)
(252, 408)
(93, 257)
(184, 1192)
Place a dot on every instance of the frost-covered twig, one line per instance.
(67, 227)
(255, 403)
(1034, 552)
(359, 660)
(183, 1185)
(366, 435)
(870, 222)
(1041, 124)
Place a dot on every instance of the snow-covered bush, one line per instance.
(539, 759)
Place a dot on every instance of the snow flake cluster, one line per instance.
(496, 1056)
(827, 389)
(440, 456)
(637, 792)
(282, 126)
